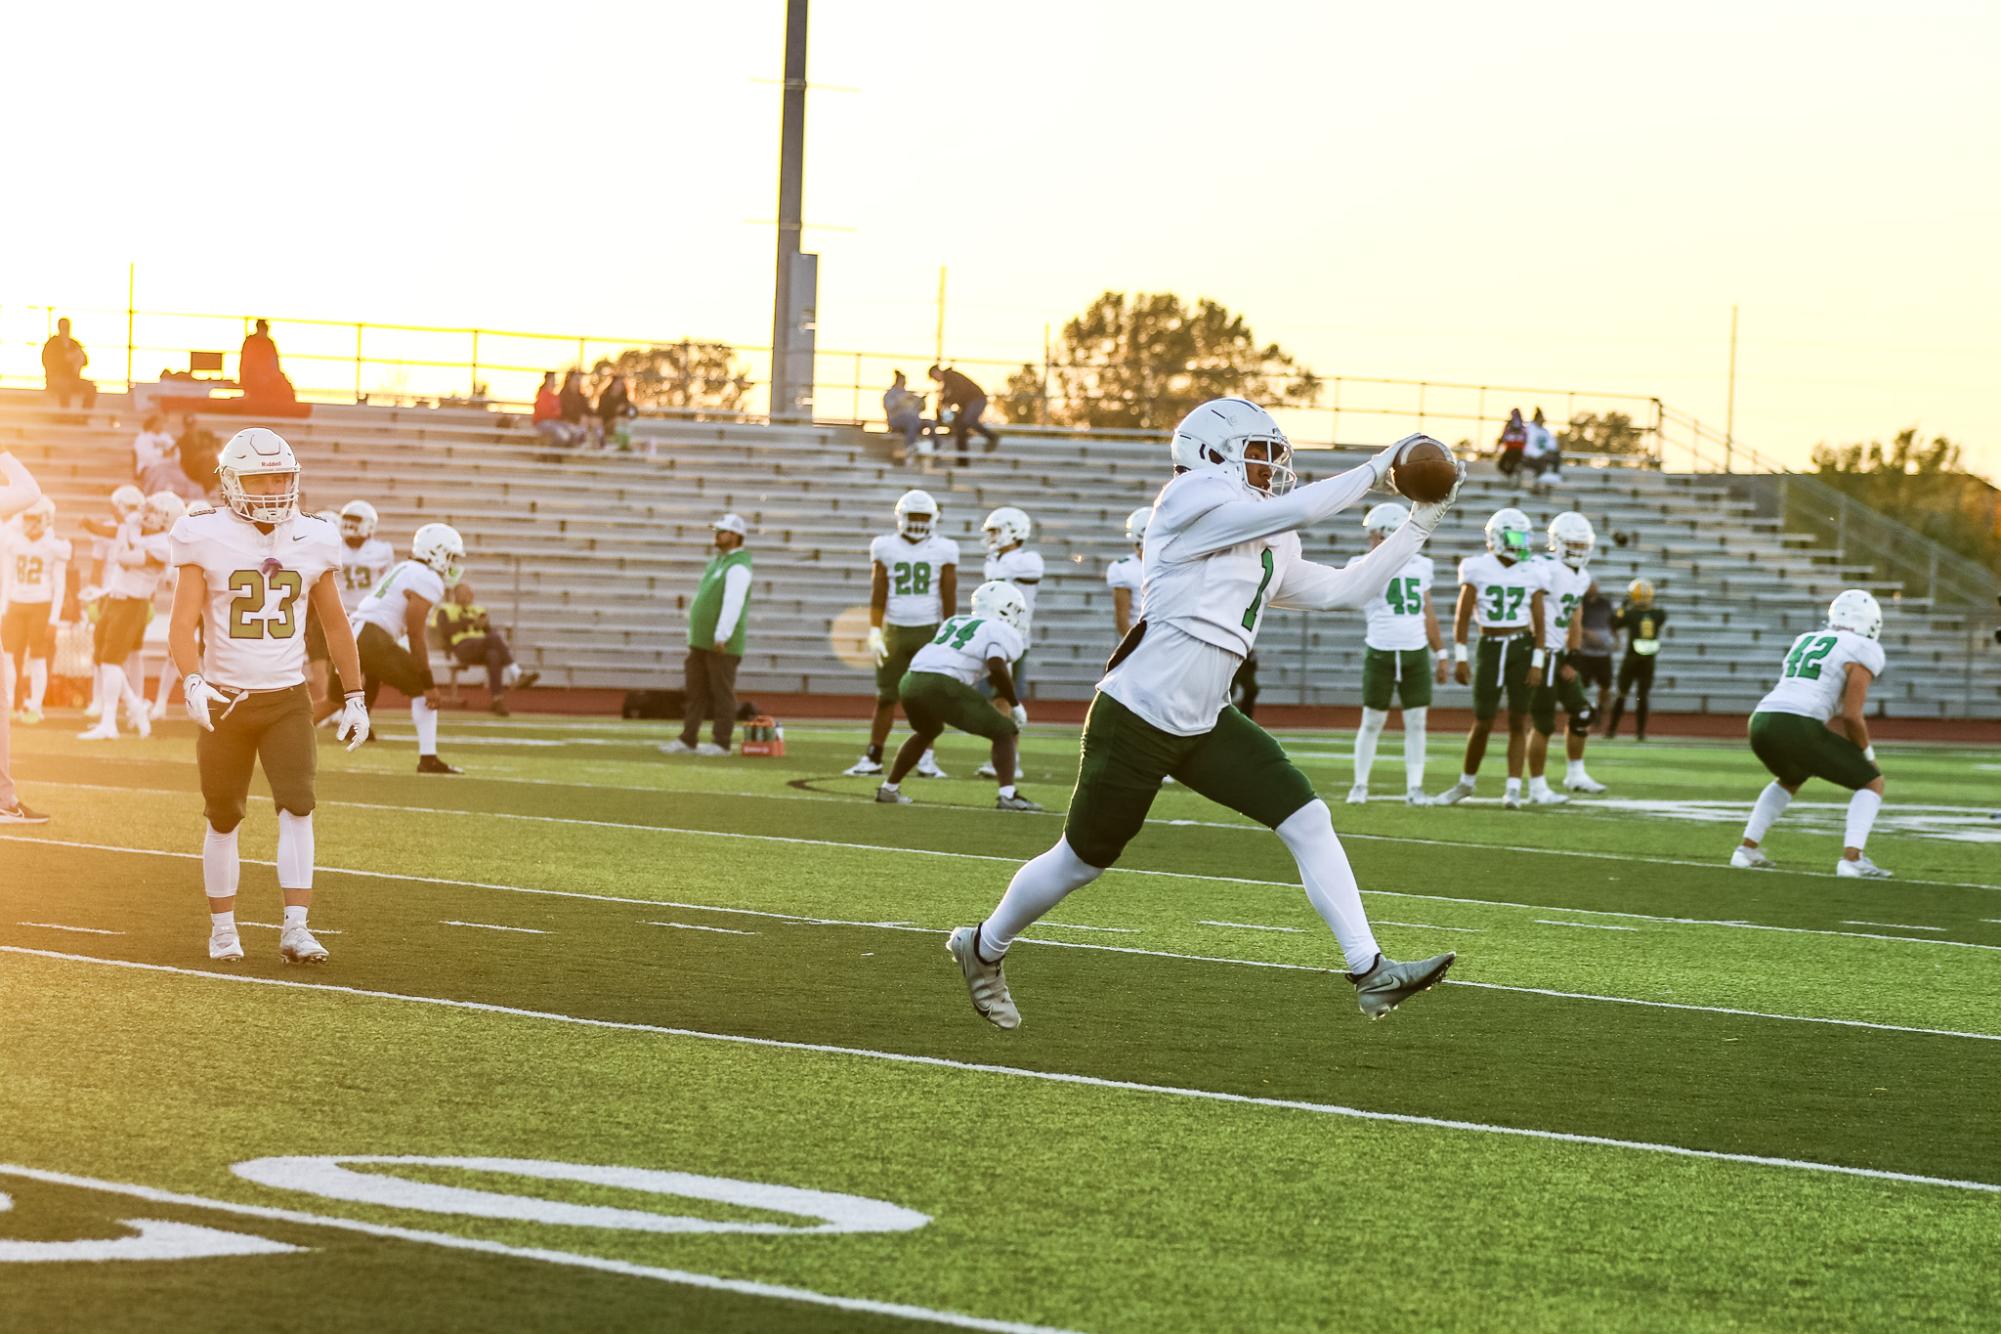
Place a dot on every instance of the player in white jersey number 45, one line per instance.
(238, 634)
(1221, 548)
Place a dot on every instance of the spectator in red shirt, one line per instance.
(257, 369)
(1513, 437)
(549, 422)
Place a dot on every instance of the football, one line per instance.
(1425, 471)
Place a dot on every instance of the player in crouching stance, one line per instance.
(245, 569)
(389, 628)
(938, 690)
(1222, 547)
(1564, 586)
(1398, 658)
(1812, 725)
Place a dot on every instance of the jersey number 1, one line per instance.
(248, 618)
(1251, 612)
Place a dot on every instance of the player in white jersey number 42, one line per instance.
(1222, 547)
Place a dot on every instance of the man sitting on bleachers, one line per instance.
(472, 641)
(264, 384)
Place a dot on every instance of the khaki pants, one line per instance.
(711, 694)
(275, 726)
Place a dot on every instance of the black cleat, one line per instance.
(431, 764)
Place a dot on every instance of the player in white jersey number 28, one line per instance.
(245, 571)
(1221, 548)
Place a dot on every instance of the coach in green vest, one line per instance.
(716, 617)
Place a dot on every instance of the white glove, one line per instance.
(198, 695)
(876, 647)
(1020, 714)
(1427, 515)
(353, 724)
(1381, 461)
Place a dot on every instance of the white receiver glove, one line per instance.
(1427, 515)
(353, 725)
(1020, 715)
(878, 649)
(198, 695)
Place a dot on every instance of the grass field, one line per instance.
(1655, 1093)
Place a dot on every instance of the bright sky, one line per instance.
(1563, 194)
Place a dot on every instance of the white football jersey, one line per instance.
(1503, 593)
(963, 645)
(1395, 616)
(1816, 672)
(1124, 573)
(1022, 568)
(1563, 591)
(137, 581)
(31, 566)
(916, 570)
(254, 626)
(386, 603)
(362, 568)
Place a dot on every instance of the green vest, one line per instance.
(708, 603)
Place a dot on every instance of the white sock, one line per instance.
(220, 868)
(1514, 786)
(1366, 737)
(1574, 771)
(1539, 784)
(295, 917)
(1330, 882)
(1862, 808)
(97, 689)
(1007, 789)
(927, 760)
(111, 690)
(509, 675)
(888, 786)
(1414, 721)
(166, 687)
(1467, 780)
(1771, 802)
(426, 719)
(38, 682)
(222, 921)
(130, 678)
(1037, 887)
(295, 851)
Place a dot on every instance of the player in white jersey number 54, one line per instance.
(247, 571)
(1221, 548)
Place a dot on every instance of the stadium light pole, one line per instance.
(791, 192)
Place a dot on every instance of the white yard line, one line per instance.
(80, 930)
(1077, 926)
(803, 920)
(1044, 1076)
(1895, 926)
(491, 926)
(690, 926)
(1591, 926)
(279, 926)
(715, 1283)
(1252, 926)
(1428, 926)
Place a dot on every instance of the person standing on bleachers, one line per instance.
(18, 490)
(717, 616)
(63, 360)
(967, 401)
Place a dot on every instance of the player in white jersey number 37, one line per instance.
(247, 571)
(1222, 547)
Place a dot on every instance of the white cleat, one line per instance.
(159, 709)
(1417, 796)
(889, 796)
(1358, 795)
(1590, 786)
(298, 946)
(710, 749)
(863, 768)
(987, 771)
(142, 722)
(1860, 869)
(677, 747)
(1548, 796)
(30, 716)
(1751, 859)
(1453, 795)
(927, 767)
(224, 946)
(104, 731)
(1511, 801)
(983, 980)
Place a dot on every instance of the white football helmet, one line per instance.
(1571, 539)
(1508, 534)
(1136, 523)
(1002, 602)
(126, 501)
(1005, 527)
(38, 518)
(1384, 519)
(258, 452)
(1215, 437)
(162, 510)
(439, 547)
(916, 513)
(1857, 610)
(358, 519)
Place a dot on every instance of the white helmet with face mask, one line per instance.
(1005, 527)
(1384, 519)
(1219, 437)
(259, 452)
(1136, 523)
(1856, 610)
(916, 514)
(1001, 601)
(438, 546)
(1571, 538)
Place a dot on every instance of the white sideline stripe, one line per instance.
(1078, 926)
(690, 926)
(80, 930)
(1895, 926)
(1240, 826)
(490, 926)
(1428, 926)
(1047, 1076)
(276, 926)
(1252, 926)
(1589, 926)
(716, 1283)
(1160, 954)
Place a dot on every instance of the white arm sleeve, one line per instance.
(736, 591)
(1236, 521)
(1311, 587)
(18, 489)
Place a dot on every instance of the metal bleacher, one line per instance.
(590, 557)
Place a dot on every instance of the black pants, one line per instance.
(489, 650)
(1636, 672)
(62, 391)
(1244, 685)
(383, 659)
(967, 419)
(711, 695)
